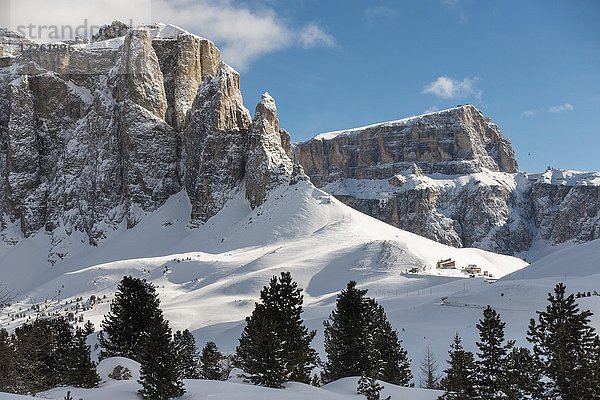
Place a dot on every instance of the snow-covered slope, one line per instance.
(344, 389)
(209, 277)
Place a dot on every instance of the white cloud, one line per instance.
(313, 36)
(554, 109)
(374, 14)
(448, 88)
(243, 34)
(530, 113)
(561, 108)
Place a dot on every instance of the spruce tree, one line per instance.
(370, 388)
(459, 382)
(491, 366)
(133, 310)
(359, 340)
(42, 350)
(429, 378)
(210, 361)
(348, 338)
(392, 359)
(7, 363)
(82, 369)
(160, 375)
(260, 352)
(275, 345)
(563, 341)
(523, 375)
(187, 354)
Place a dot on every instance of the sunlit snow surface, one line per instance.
(209, 278)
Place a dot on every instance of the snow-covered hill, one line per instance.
(209, 277)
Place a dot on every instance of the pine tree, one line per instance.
(187, 354)
(563, 341)
(429, 378)
(133, 310)
(594, 369)
(160, 376)
(370, 388)
(523, 375)
(459, 382)
(82, 369)
(210, 360)
(7, 363)
(348, 339)
(89, 328)
(42, 350)
(491, 366)
(275, 345)
(260, 352)
(359, 340)
(392, 359)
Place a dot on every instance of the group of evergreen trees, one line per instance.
(275, 347)
(564, 363)
(359, 340)
(136, 328)
(43, 354)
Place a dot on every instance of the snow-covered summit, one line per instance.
(404, 122)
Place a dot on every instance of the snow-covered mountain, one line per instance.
(94, 135)
(134, 155)
(451, 176)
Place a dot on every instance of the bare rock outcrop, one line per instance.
(451, 176)
(138, 75)
(93, 136)
(268, 163)
(455, 141)
(215, 144)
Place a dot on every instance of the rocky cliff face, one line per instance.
(455, 141)
(94, 135)
(451, 176)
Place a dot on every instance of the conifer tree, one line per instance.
(133, 310)
(523, 375)
(491, 366)
(187, 354)
(348, 339)
(210, 360)
(563, 341)
(359, 340)
(82, 369)
(370, 388)
(7, 363)
(89, 328)
(160, 375)
(429, 378)
(392, 360)
(43, 351)
(260, 352)
(275, 345)
(459, 382)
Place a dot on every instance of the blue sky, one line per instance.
(533, 66)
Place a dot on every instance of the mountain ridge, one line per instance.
(454, 182)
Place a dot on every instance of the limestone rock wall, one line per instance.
(451, 176)
(94, 136)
